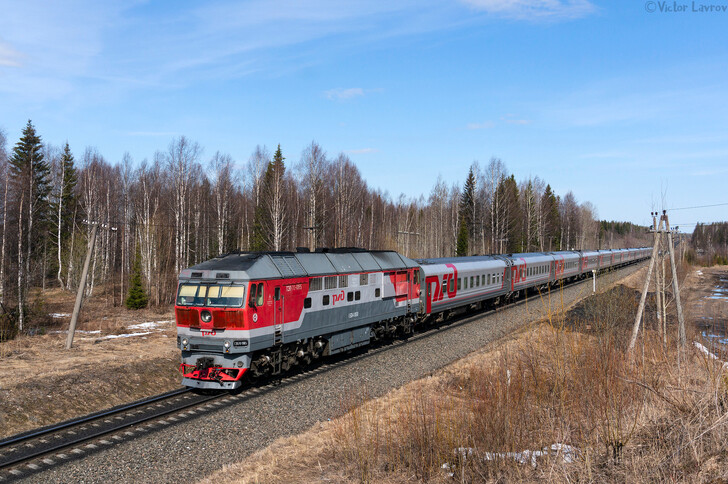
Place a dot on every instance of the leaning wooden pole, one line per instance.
(643, 298)
(81, 288)
(675, 288)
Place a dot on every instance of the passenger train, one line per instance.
(258, 314)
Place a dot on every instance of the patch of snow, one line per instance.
(710, 355)
(59, 315)
(128, 335)
(700, 273)
(567, 453)
(151, 325)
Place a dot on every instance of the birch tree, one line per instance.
(182, 154)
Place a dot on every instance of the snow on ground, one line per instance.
(567, 453)
(710, 355)
(59, 315)
(127, 335)
(151, 324)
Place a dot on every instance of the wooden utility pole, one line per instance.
(658, 287)
(675, 288)
(81, 288)
(643, 298)
(82, 283)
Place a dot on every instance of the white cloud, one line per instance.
(8, 56)
(535, 9)
(362, 151)
(339, 94)
(511, 119)
(485, 125)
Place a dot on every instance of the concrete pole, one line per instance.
(594, 281)
(675, 288)
(641, 308)
(81, 288)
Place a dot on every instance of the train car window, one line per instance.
(459, 284)
(325, 300)
(253, 294)
(260, 300)
(471, 281)
(314, 284)
(349, 296)
(277, 294)
(489, 279)
(477, 280)
(363, 279)
(343, 281)
(191, 295)
(330, 282)
(307, 303)
(465, 282)
(377, 292)
(357, 295)
(417, 277)
(231, 296)
(451, 285)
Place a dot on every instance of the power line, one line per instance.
(698, 206)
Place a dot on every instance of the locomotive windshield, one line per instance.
(210, 295)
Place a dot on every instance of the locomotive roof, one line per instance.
(276, 265)
(451, 260)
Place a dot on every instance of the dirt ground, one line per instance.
(118, 356)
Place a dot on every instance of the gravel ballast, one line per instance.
(203, 442)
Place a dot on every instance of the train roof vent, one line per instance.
(196, 275)
(222, 275)
(288, 265)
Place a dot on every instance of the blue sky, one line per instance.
(622, 102)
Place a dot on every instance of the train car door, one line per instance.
(278, 303)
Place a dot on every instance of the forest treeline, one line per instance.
(709, 244)
(182, 207)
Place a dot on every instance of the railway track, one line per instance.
(38, 450)
(31, 451)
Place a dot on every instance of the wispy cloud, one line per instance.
(511, 119)
(484, 125)
(8, 56)
(150, 133)
(535, 9)
(362, 151)
(340, 94)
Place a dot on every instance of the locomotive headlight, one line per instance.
(206, 316)
(184, 342)
(226, 345)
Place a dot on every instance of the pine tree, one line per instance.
(64, 205)
(31, 182)
(137, 298)
(552, 233)
(462, 243)
(268, 224)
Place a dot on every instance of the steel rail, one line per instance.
(42, 451)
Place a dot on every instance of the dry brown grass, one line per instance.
(43, 383)
(631, 418)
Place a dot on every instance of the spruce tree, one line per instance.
(266, 215)
(30, 174)
(137, 298)
(461, 248)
